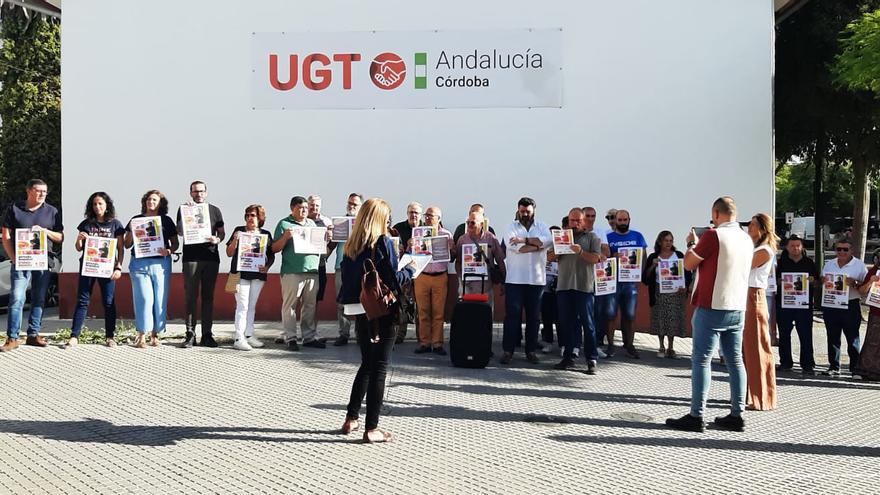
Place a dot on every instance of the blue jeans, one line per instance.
(846, 321)
(625, 299)
(516, 298)
(19, 279)
(802, 320)
(600, 316)
(710, 326)
(149, 286)
(84, 296)
(576, 316)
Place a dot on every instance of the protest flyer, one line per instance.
(670, 274)
(771, 279)
(606, 277)
(795, 290)
(420, 244)
(439, 248)
(99, 257)
(148, 238)
(552, 269)
(835, 292)
(472, 260)
(421, 260)
(562, 241)
(341, 228)
(630, 264)
(873, 297)
(252, 249)
(196, 221)
(31, 252)
(309, 240)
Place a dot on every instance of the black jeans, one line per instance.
(802, 320)
(370, 378)
(548, 316)
(847, 322)
(200, 275)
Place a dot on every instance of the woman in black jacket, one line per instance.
(369, 240)
(667, 307)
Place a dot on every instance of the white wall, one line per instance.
(667, 105)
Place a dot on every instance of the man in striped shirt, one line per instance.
(723, 259)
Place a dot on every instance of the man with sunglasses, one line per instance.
(462, 228)
(839, 320)
(36, 214)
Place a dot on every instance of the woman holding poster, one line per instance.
(667, 282)
(96, 234)
(152, 238)
(250, 259)
(843, 274)
(757, 352)
(869, 356)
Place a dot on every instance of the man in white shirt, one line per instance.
(526, 241)
(723, 260)
(844, 320)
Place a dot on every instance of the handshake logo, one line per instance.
(387, 71)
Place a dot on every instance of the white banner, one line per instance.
(407, 69)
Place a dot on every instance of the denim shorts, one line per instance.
(625, 299)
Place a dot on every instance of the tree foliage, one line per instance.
(857, 67)
(30, 103)
(791, 195)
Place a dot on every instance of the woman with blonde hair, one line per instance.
(757, 353)
(369, 240)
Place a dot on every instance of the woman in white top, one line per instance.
(757, 354)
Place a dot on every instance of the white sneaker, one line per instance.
(254, 342)
(242, 345)
(576, 352)
(602, 354)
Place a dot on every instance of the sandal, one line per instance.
(350, 425)
(71, 343)
(111, 342)
(140, 341)
(386, 436)
(154, 340)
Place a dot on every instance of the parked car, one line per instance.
(6, 286)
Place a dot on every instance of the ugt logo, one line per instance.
(387, 71)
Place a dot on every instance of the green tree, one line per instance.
(30, 103)
(816, 119)
(857, 67)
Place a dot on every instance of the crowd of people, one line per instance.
(730, 278)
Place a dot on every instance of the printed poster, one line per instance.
(252, 249)
(196, 220)
(552, 269)
(606, 277)
(31, 251)
(99, 257)
(341, 228)
(472, 259)
(771, 280)
(835, 291)
(562, 241)
(420, 244)
(873, 297)
(421, 261)
(439, 248)
(309, 240)
(670, 275)
(630, 264)
(795, 290)
(148, 238)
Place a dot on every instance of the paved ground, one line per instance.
(168, 420)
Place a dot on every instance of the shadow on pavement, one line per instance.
(813, 381)
(99, 431)
(720, 444)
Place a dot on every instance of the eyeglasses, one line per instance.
(41, 191)
(471, 223)
(249, 215)
(199, 191)
(430, 215)
(842, 250)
